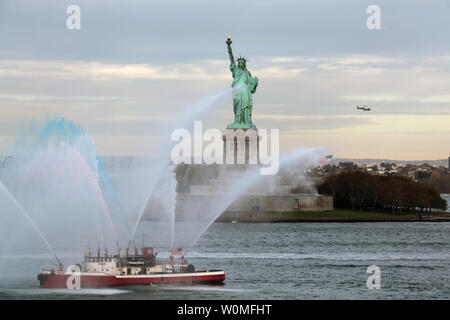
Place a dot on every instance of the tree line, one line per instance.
(363, 191)
(440, 180)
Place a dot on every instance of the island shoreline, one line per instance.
(330, 216)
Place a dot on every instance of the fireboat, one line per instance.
(130, 269)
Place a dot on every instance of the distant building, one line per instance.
(346, 165)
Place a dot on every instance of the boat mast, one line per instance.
(118, 249)
(135, 249)
(106, 250)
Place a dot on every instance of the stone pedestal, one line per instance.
(241, 146)
(241, 156)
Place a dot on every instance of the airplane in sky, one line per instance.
(363, 108)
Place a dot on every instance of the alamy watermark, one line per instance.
(374, 280)
(73, 22)
(374, 20)
(74, 280)
(243, 148)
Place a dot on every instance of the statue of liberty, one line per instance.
(244, 85)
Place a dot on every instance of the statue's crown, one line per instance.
(241, 58)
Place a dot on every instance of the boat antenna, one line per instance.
(128, 248)
(89, 248)
(106, 250)
(98, 249)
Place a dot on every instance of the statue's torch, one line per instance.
(229, 40)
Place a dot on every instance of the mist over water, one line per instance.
(59, 181)
(160, 161)
(56, 194)
(161, 211)
(70, 198)
(198, 215)
(54, 177)
(7, 197)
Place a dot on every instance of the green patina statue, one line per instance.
(244, 85)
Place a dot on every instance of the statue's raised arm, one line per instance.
(230, 52)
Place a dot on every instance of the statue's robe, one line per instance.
(243, 88)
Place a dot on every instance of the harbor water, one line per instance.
(281, 261)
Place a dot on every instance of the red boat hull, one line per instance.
(59, 279)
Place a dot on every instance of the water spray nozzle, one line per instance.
(60, 265)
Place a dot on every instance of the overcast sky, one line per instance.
(136, 64)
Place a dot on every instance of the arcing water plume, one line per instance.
(13, 200)
(206, 210)
(304, 158)
(60, 192)
(59, 129)
(172, 193)
(117, 203)
(54, 175)
(161, 160)
(161, 207)
(293, 172)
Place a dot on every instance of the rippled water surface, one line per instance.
(282, 261)
(446, 196)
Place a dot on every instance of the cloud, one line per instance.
(201, 70)
(311, 99)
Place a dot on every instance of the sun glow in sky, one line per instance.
(134, 65)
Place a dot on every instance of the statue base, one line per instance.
(241, 146)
